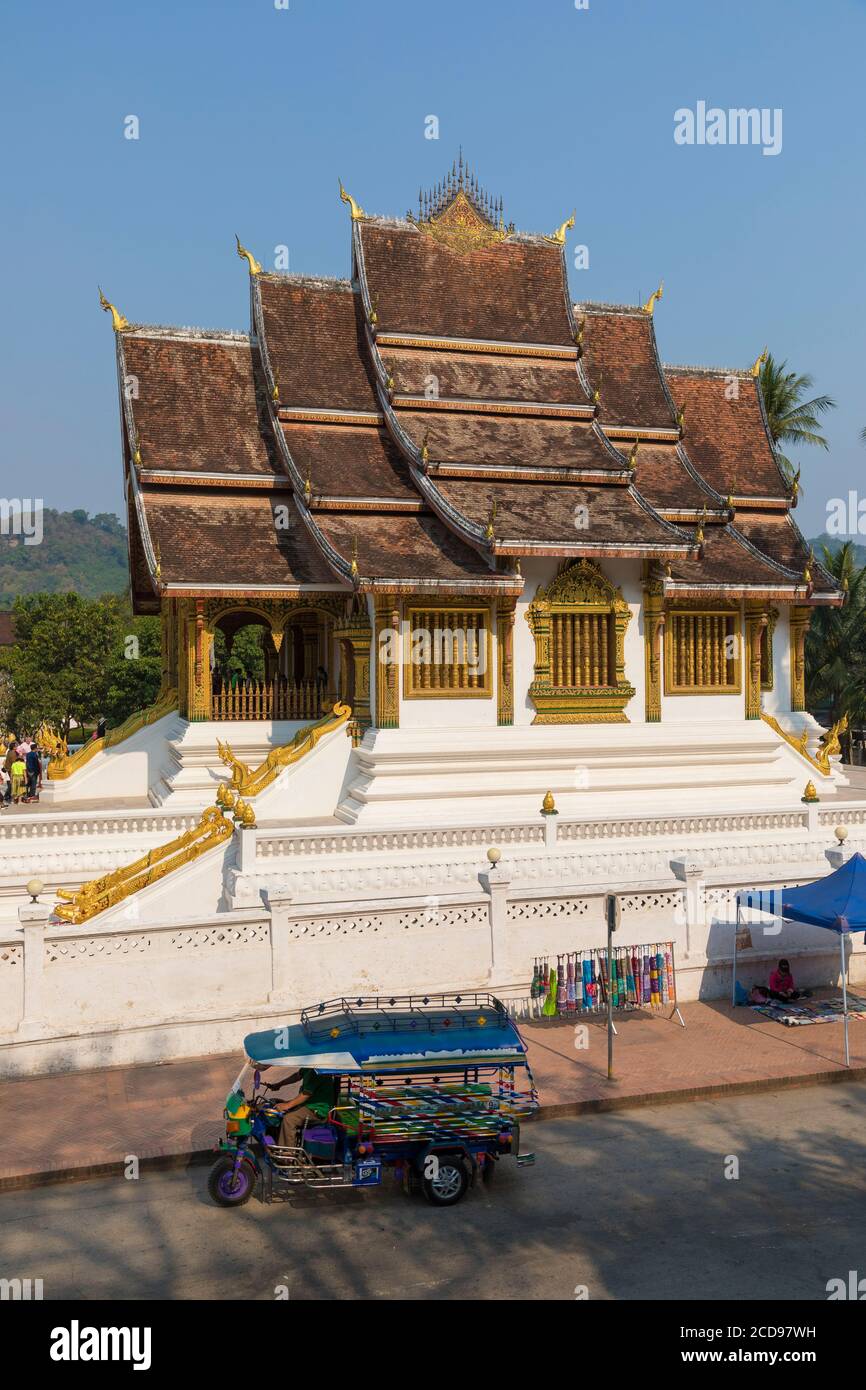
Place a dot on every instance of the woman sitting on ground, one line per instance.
(782, 984)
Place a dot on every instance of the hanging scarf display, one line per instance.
(637, 977)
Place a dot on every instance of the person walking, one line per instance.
(11, 755)
(33, 768)
(19, 776)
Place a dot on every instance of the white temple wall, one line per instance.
(778, 700)
(627, 576)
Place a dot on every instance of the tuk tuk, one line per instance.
(428, 1090)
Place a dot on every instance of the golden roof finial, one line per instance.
(632, 454)
(755, 369)
(245, 255)
(308, 488)
(118, 322)
(699, 533)
(578, 336)
(681, 416)
(559, 235)
(807, 572)
(795, 485)
(596, 395)
(357, 211)
(136, 457)
(354, 565)
(649, 307)
(158, 570)
(425, 450)
(275, 393)
(489, 531)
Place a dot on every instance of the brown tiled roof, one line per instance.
(199, 404)
(403, 546)
(728, 561)
(313, 334)
(514, 291)
(483, 376)
(776, 535)
(665, 481)
(559, 515)
(725, 435)
(349, 461)
(7, 628)
(508, 441)
(214, 536)
(621, 361)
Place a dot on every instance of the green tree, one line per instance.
(836, 645)
(134, 672)
(247, 660)
(60, 661)
(792, 419)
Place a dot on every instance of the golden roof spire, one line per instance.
(755, 369)
(354, 565)
(632, 455)
(118, 322)
(489, 531)
(245, 255)
(656, 295)
(357, 211)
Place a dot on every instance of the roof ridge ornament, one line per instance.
(118, 321)
(632, 455)
(358, 212)
(558, 237)
(245, 255)
(755, 369)
(459, 213)
(649, 307)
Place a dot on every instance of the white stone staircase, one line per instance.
(413, 776)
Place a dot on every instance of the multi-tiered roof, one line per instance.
(430, 422)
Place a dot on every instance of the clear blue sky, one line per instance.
(249, 113)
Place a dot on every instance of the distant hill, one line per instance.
(835, 543)
(79, 553)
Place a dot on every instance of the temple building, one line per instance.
(530, 609)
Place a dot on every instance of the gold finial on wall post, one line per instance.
(118, 322)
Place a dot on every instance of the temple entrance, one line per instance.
(262, 674)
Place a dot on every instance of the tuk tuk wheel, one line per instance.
(227, 1188)
(449, 1184)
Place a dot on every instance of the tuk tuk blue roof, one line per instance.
(450, 1032)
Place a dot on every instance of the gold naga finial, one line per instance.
(517, 570)
(807, 572)
(795, 485)
(559, 235)
(118, 322)
(649, 307)
(158, 570)
(425, 449)
(681, 417)
(699, 533)
(755, 369)
(245, 255)
(489, 531)
(729, 501)
(373, 315)
(354, 565)
(136, 457)
(632, 455)
(845, 585)
(389, 384)
(308, 488)
(596, 395)
(357, 211)
(578, 336)
(275, 393)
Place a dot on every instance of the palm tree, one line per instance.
(836, 646)
(792, 419)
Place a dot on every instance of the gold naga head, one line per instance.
(755, 369)
(118, 322)
(245, 255)
(649, 307)
(357, 211)
(559, 235)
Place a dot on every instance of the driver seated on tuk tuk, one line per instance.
(312, 1104)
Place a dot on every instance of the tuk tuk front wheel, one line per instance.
(227, 1187)
(448, 1184)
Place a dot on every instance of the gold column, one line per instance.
(198, 673)
(387, 663)
(653, 626)
(357, 633)
(505, 653)
(799, 621)
(756, 622)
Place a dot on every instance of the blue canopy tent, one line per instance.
(837, 902)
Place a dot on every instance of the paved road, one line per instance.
(630, 1205)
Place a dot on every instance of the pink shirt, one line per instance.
(780, 983)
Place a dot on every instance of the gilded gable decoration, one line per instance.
(459, 214)
(579, 622)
